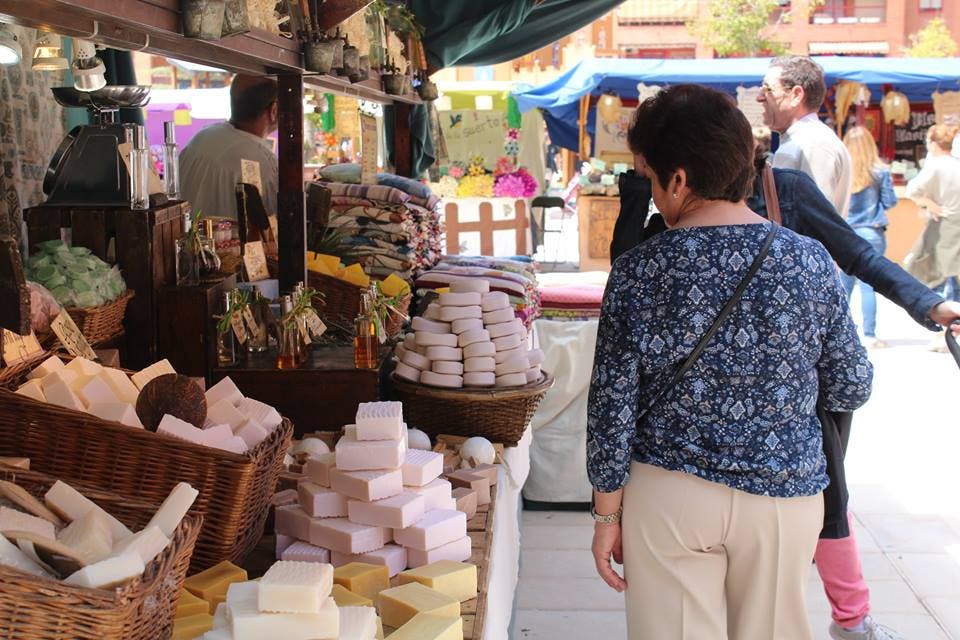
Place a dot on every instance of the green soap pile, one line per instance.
(75, 276)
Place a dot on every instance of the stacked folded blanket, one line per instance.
(571, 302)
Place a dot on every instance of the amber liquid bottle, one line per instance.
(288, 338)
(366, 341)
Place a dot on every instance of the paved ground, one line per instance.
(903, 471)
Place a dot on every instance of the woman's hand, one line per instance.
(946, 314)
(607, 543)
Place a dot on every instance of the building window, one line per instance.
(850, 12)
(931, 5)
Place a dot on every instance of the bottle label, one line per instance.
(238, 329)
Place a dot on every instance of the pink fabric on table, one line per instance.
(838, 562)
(572, 296)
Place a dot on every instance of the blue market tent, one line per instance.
(917, 78)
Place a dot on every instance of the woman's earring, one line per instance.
(675, 195)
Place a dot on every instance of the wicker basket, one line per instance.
(500, 415)
(100, 324)
(34, 608)
(340, 303)
(12, 376)
(235, 490)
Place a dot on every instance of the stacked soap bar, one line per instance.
(472, 340)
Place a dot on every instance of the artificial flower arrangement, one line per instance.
(474, 180)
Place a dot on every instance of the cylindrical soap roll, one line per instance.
(410, 341)
(517, 364)
(467, 324)
(416, 361)
(449, 368)
(399, 351)
(476, 365)
(533, 375)
(498, 316)
(506, 328)
(506, 343)
(422, 324)
(508, 380)
(460, 299)
(449, 314)
(503, 356)
(469, 285)
(495, 300)
(425, 339)
(432, 312)
(441, 380)
(447, 354)
(477, 335)
(479, 379)
(535, 357)
(480, 350)
(407, 372)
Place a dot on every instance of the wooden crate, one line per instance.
(187, 332)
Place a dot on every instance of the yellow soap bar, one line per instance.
(346, 598)
(428, 626)
(217, 599)
(399, 604)
(354, 274)
(332, 262)
(320, 266)
(393, 285)
(190, 605)
(192, 626)
(363, 579)
(215, 580)
(455, 579)
(379, 628)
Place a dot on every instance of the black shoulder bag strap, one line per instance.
(721, 317)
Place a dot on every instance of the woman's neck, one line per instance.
(717, 213)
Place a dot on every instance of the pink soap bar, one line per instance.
(339, 534)
(179, 429)
(283, 542)
(457, 551)
(318, 468)
(305, 552)
(393, 557)
(447, 504)
(233, 444)
(396, 512)
(215, 434)
(367, 485)
(434, 529)
(252, 433)
(421, 467)
(434, 493)
(292, 521)
(321, 502)
(354, 455)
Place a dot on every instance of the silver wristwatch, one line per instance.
(613, 518)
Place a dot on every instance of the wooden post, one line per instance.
(402, 142)
(291, 218)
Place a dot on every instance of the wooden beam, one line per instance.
(402, 141)
(334, 12)
(15, 311)
(291, 212)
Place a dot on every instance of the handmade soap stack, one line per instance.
(469, 338)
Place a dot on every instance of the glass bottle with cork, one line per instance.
(226, 340)
(366, 341)
(259, 339)
(171, 162)
(289, 354)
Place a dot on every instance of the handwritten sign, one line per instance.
(314, 324)
(470, 133)
(611, 138)
(946, 105)
(17, 348)
(368, 148)
(255, 260)
(71, 337)
(250, 173)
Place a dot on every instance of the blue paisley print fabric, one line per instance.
(745, 414)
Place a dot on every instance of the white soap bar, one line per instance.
(252, 433)
(503, 356)
(339, 534)
(395, 512)
(63, 377)
(535, 357)
(469, 285)
(494, 301)
(410, 339)
(367, 485)
(214, 434)
(516, 364)
(479, 350)
(379, 421)
(108, 573)
(282, 543)
(358, 623)
(14, 520)
(234, 444)
(354, 455)
(432, 312)
(434, 529)
(116, 412)
(295, 587)
(148, 544)
(507, 328)
(157, 369)
(299, 551)
(447, 354)
(321, 502)
(32, 389)
(45, 368)
(425, 339)
(391, 556)
(420, 323)
(508, 342)
(471, 365)
(122, 386)
(447, 504)
(223, 412)
(479, 379)
(89, 537)
(477, 335)
(174, 508)
(224, 390)
(498, 316)
(440, 380)
(533, 375)
(60, 394)
(416, 361)
(407, 372)
(421, 467)
(70, 504)
(448, 368)
(449, 314)
(512, 380)
(466, 324)
(468, 299)
(83, 367)
(435, 493)
(263, 413)
(292, 521)
(13, 557)
(399, 351)
(456, 551)
(252, 625)
(317, 468)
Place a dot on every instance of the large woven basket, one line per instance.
(34, 608)
(100, 324)
(500, 415)
(235, 490)
(14, 373)
(340, 303)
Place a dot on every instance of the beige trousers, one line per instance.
(707, 562)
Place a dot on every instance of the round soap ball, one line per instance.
(310, 447)
(478, 450)
(171, 394)
(419, 440)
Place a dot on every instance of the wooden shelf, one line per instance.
(366, 90)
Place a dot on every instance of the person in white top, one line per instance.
(210, 164)
(791, 94)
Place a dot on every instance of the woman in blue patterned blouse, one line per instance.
(720, 483)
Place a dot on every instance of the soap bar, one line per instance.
(533, 375)
(321, 502)
(498, 316)
(157, 369)
(427, 626)
(89, 537)
(470, 337)
(108, 573)
(479, 350)
(252, 433)
(480, 379)
(446, 354)
(148, 543)
(477, 365)
(420, 323)
(173, 426)
(407, 372)
(233, 444)
(305, 552)
(455, 579)
(449, 314)
(433, 493)
(70, 504)
(96, 390)
(346, 598)
(292, 521)
(116, 412)
(495, 300)
(391, 556)
(339, 534)
(282, 543)
(354, 455)
(447, 504)
(469, 285)
(465, 299)
(432, 312)
(32, 389)
(512, 380)
(317, 469)
(223, 412)
(191, 626)
(466, 478)
(224, 390)
(263, 413)
(18, 463)
(248, 623)
(488, 471)
(426, 339)
(434, 529)
(220, 620)
(83, 367)
(421, 467)
(190, 605)
(59, 376)
(459, 327)
(502, 356)
(466, 501)
(441, 380)
(395, 512)
(121, 385)
(11, 556)
(364, 579)
(214, 581)
(517, 364)
(514, 327)
(45, 368)
(60, 394)
(399, 604)
(214, 434)
(174, 508)
(295, 587)
(458, 551)
(416, 361)
(358, 623)
(367, 485)
(447, 367)
(379, 421)
(14, 520)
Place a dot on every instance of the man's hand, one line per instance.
(945, 314)
(606, 543)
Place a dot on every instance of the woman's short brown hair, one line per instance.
(943, 135)
(702, 131)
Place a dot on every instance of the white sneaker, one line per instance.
(871, 631)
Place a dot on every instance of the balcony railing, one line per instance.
(850, 12)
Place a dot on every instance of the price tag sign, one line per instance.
(255, 260)
(250, 173)
(17, 348)
(238, 329)
(368, 148)
(250, 320)
(315, 324)
(71, 337)
(304, 333)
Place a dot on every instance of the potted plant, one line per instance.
(394, 82)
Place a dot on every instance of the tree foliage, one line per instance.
(933, 41)
(739, 27)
